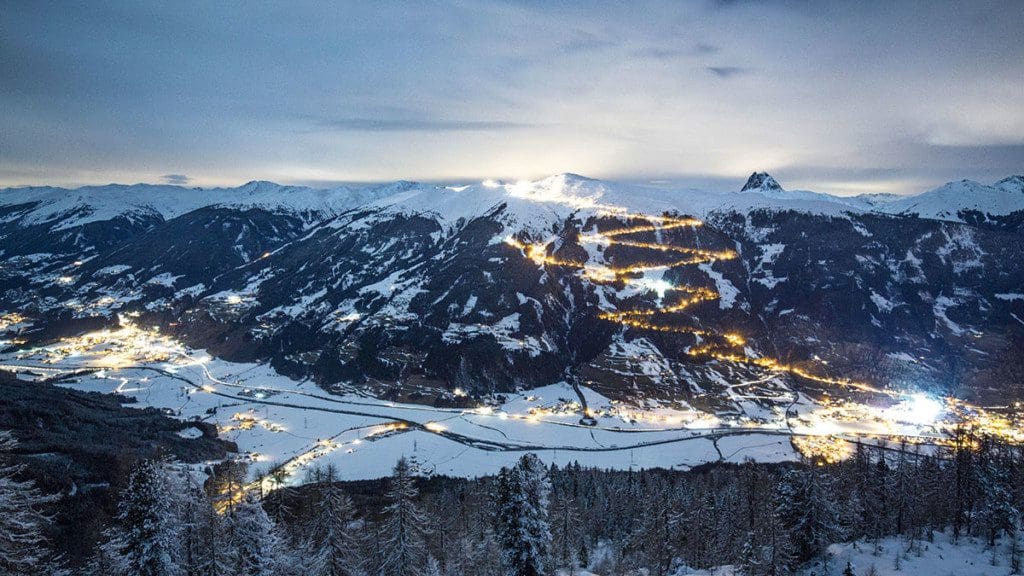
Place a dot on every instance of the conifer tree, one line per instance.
(405, 526)
(565, 531)
(523, 529)
(22, 545)
(332, 541)
(432, 568)
(200, 536)
(146, 540)
(255, 548)
(997, 513)
(808, 511)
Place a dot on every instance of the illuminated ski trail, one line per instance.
(728, 347)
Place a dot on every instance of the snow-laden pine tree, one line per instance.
(652, 539)
(905, 491)
(333, 543)
(22, 546)
(808, 511)
(194, 541)
(482, 557)
(255, 549)
(146, 539)
(752, 557)
(403, 550)
(522, 517)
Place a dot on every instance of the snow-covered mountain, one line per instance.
(98, 203)
(407, 287)
(955, 200)
(554, 196)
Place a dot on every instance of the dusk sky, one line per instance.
(879, 97)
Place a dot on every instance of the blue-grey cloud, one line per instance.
(669, 52)
(726, 71)
(417, 125)
(587, 43)
(176, 179)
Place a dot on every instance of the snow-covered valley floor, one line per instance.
(275, 420)
(279, 423)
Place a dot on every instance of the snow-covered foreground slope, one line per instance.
(941, 557)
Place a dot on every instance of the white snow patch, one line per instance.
(861, 230)
(902, 356)
(470, 304)
(770, 252)
(113, 270)
(727, 292)
(191, 433)
(882, 303)
(943, 557)
(771, 282)
(943, 303)
(165, 279)
(192, 291)
(1010, 296)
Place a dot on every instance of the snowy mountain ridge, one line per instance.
(97, 203)
(945, 202)
(541, 201)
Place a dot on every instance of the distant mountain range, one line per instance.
(403, 289)
(99, 203)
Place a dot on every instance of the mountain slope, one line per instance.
(406, 289)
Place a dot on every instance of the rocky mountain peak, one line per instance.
(761, 181)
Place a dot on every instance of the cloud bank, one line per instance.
(842, 97)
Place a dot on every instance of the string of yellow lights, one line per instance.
(728, 347)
